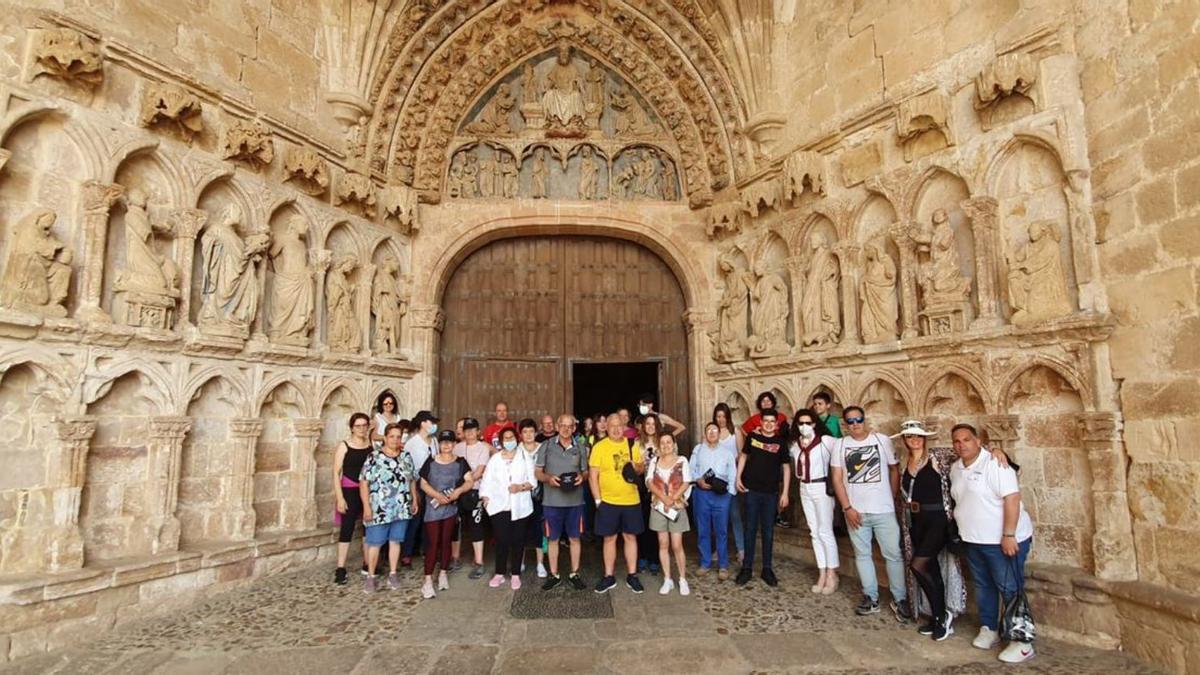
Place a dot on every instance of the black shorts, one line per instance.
(468, 508)
(612, 519)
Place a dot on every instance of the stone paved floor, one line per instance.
(301, 623)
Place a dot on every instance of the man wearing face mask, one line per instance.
(420, 447)
(646, 406)
(764, 460)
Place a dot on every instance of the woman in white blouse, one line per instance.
(810, 464)
(506, 492)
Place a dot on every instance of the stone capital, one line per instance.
(245, 427)
(308, 427)
(171, 429)
(696, 319)
(428, 316)
(75, 429)
(899, 233)
(1101, 427)
(99, 197)
(187, 223)
(1002, 428)
(321, 259)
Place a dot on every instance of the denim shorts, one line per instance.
(378, 535)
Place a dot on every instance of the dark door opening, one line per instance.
(604, 387)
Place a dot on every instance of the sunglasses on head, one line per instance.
(855, 420)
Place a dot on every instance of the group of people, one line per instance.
(625, 481)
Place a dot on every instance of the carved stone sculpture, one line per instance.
(68, 55)
(803, 170)
(496, 115)
(530, 92)
(388, 305)
(732, 314)
(1037, 287)
(400, 207)
(820, 307)
(563, 99)
(539, 175)
(487, 176)
(229, 288)
(507, 176)
(670, 181)
(595, 96)
(291, 316)
(344, 332)
(248, 141)
(1003, 89)
(922, 124)
(589, 182)
(769, 312)
(470, 177)
(940, 273)
(878, 297)
(37, 269)
(356, 192)
(148, 285)
(646, 179)
(631, 119)
(306, 170)
(166, 105)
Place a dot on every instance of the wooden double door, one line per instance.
(521, 313)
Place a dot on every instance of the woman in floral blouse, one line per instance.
(390, 502)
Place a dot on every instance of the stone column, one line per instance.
(186, 224)
(66, 471)
(1003, 432)
(796, 268)
(363, 303)
(909, 305)
(320, 260)
(849, 256)
(239, 513)
(162, 487)
(299, 508)
(98, 199)
(1112, 541)
(698, 323)
(427, 324)
(984, 219)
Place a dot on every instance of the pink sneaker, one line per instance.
(496, 581)
(516, 583)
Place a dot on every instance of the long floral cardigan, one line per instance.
(951, 566)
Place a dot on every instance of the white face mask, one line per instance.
(806, 430)
(510, 445)
(432, 429)
(644, 409)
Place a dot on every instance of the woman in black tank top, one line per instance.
(348, 460)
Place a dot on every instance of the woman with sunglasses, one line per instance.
(810, 466)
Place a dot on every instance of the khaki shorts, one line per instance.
(660, 523)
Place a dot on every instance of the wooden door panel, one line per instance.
(529, 387)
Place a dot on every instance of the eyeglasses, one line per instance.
(855, 420)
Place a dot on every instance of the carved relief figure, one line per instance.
(388, 306)
(229, 290)
(530, 92)
(470, 177)
(508, 175)
(769, 313)
(878, 296)
(344, 333)
(292, 297)
(496, 115)
(563, 100)
(588, 174)
(820, 308)
(538, 175)
(631, 118)
(146, 270)
(454, 183)
(595, 78)
(940, 275)
(1037, 287)
(669, 181)
(37, 271)
(625, 179)
(487, 176)
(646, 179)
(732, 313)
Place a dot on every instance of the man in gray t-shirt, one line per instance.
(562, 467)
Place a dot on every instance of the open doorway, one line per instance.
(604, 387)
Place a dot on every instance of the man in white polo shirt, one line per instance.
(998, 533)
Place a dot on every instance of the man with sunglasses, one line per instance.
(866, 481)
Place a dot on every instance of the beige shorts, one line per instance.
(660, 523)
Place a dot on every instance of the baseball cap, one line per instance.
(447, 435)
(470, 423)
(421, 417)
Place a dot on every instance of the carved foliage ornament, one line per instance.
(67, 55)
(307, 170)
(400, 206)
(924, 117)
(803, 170)
(357, 192)
(172, 106)
(248, 141)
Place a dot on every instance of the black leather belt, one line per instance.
(822, 479)
(917, 507)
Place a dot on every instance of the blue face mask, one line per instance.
(510, 445)
(432, 429)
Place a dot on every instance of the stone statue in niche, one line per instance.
(145, 270)
(1037, 287)
(646, 181)
(589, 182)
(470, 177)
(940, 274)
(769, 312)
(229, 289)
(388, 306)
(292, 297)
(530, 91)
(820, 306)
(732, 313)
(631, 118)
(509, 175)
(496, 117)
(596, 79)
(454, 181)
(344, 332)
(878, 296)
(487, 176)
(37, 271)
(563, 98)
(670, 181)
(538, 175)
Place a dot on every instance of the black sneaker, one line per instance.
(943, 628)
(782, 522)
(867, 606)
(901, 610)
(634, 583)
(576, 582)
(744, 577)
(768, 575)
(339, 576)
(605, 584)
(926, 628)
(551, 581)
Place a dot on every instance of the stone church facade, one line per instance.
(223, 230)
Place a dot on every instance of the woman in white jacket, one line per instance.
(507, 495)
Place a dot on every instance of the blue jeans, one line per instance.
(712, 517)
(996, 574)
(886, 530)
(738, 521)
(760, 514)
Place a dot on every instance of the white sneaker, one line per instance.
(667, 587)
(541, 571)
(986, 639)
(427, 591)
(1016, 652)
(684, 589)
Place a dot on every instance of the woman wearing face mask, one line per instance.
(665, 421)
(649, 430)
(810, 462)
(506, 491)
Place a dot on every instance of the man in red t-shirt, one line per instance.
(765, 401)
(492, 433)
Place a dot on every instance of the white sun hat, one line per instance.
(913, 428)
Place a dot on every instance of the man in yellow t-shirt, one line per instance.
(618, 506)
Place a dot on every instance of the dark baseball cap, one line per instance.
(447, 435)
(421, 417)
(470, 423)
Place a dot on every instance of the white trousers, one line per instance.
(818, 513)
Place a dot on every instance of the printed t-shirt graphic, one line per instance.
(863, 464)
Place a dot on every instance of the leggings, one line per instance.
(438, 536)
(352, 516)
(928, 533)
(510, 542)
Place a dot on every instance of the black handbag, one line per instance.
(566, 481)
(629, 472)
(954, 542)
(715, 484)
(1017, 623)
